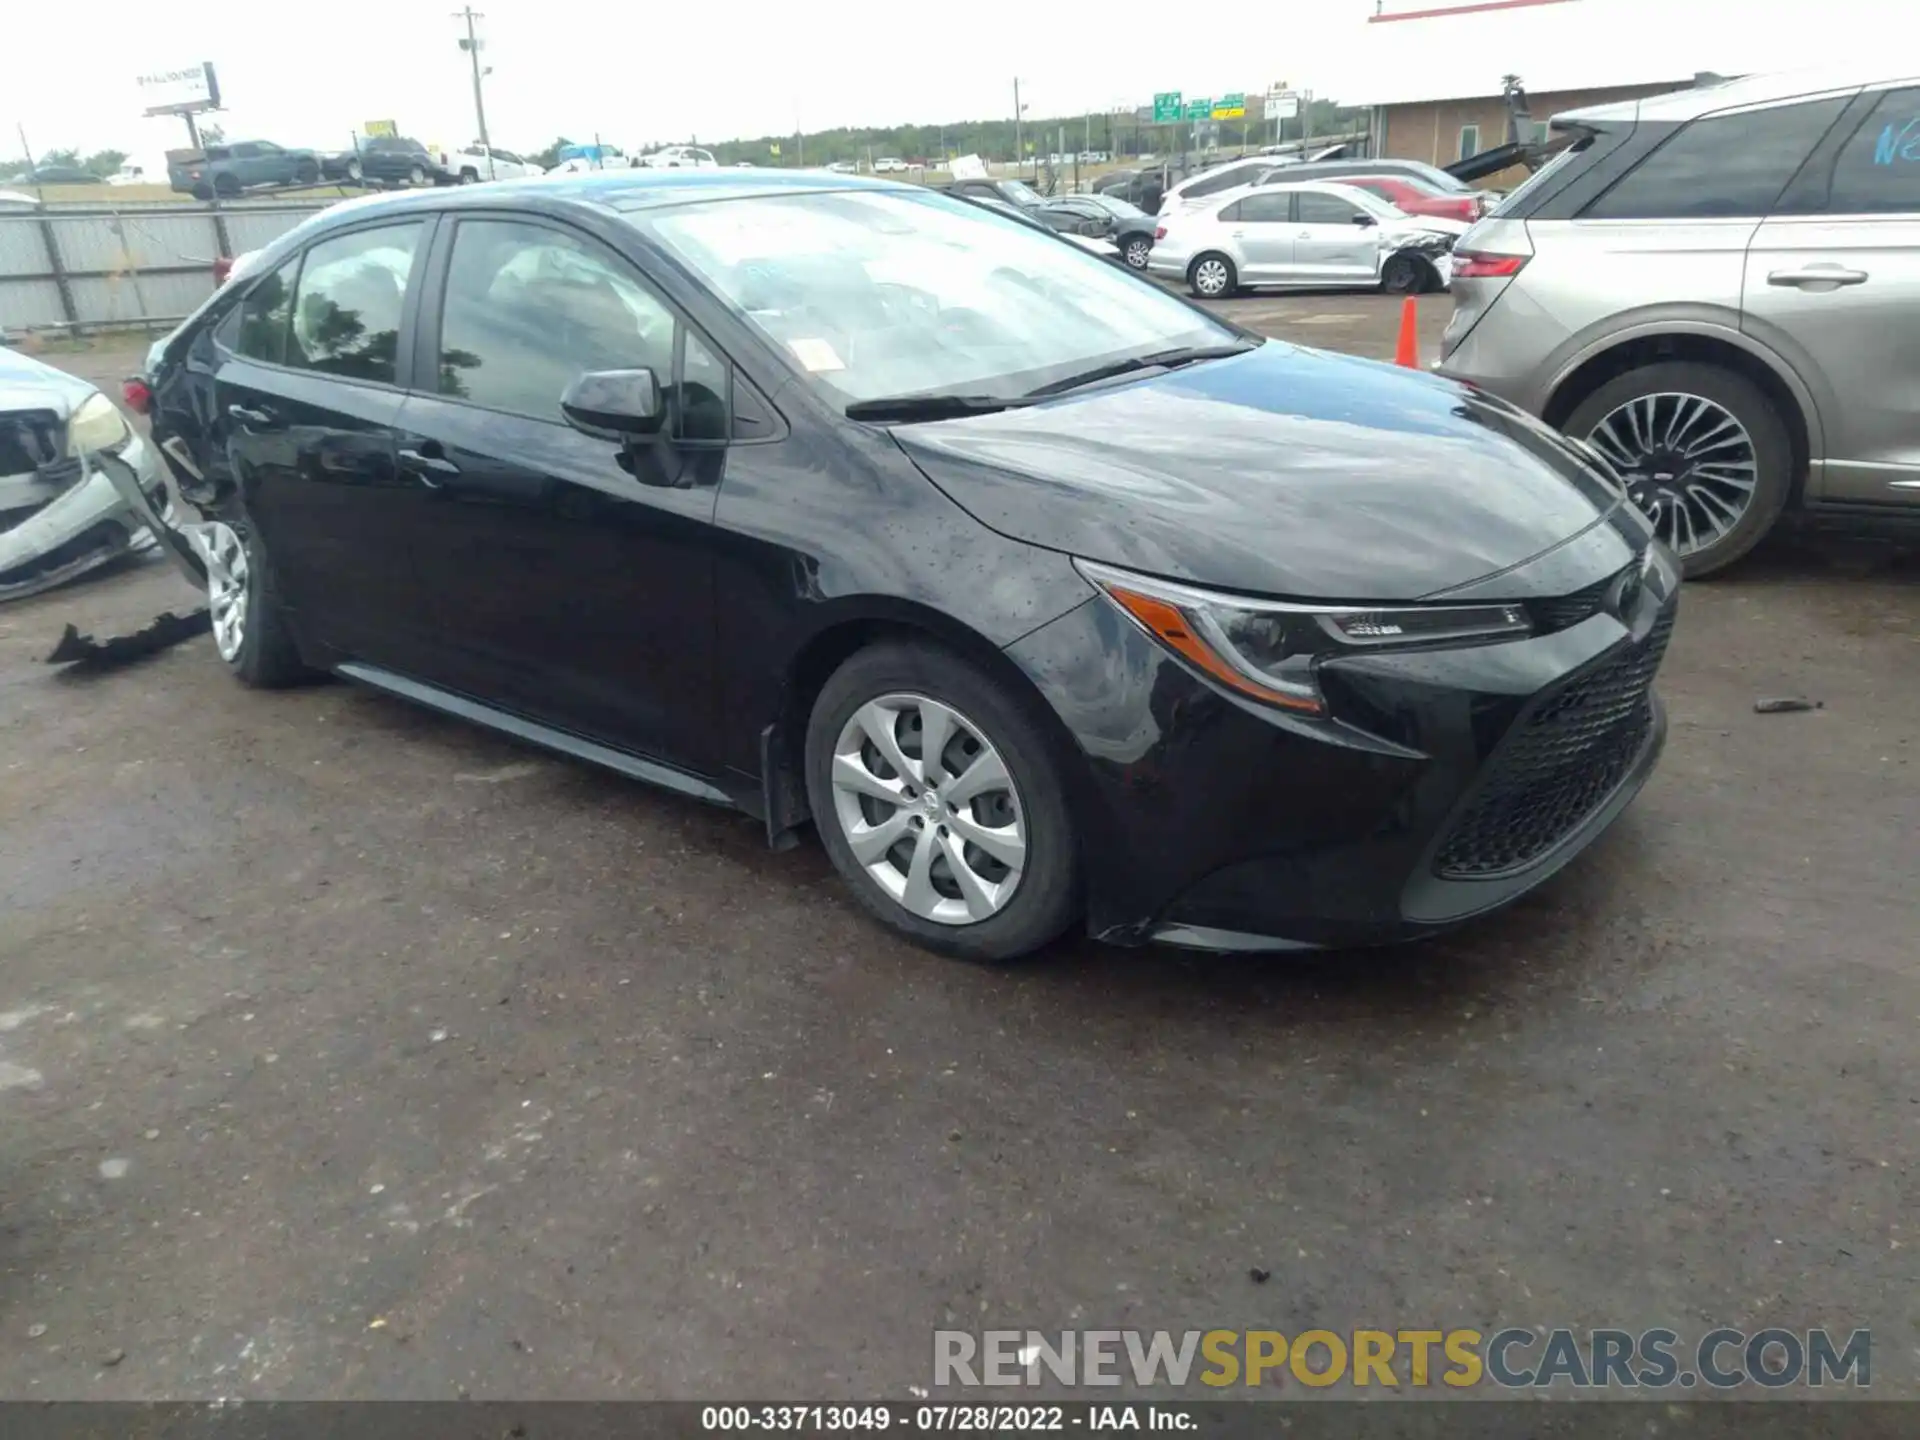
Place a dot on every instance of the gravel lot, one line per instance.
(349, 1052)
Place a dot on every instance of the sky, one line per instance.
(642, 75)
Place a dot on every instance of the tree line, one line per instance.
(101, 162)
(1118, 135)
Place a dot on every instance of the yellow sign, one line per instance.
(1230, 107)
(380, 127)
(775, 147)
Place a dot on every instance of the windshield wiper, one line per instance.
(932, 407)
(1159, 360)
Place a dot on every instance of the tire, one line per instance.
(1661, 390)
(469, 176)
(355, 175)
(225, 186)
(202, 191)
(1212, 277)
(307, 174)
(416, 176)
(1403, 275)
(1136, 252)
(262, 654)
(1045, 895)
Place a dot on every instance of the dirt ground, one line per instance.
(346, 1051)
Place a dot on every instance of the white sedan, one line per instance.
(1310, 233)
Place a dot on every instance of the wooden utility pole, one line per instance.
(472, 46)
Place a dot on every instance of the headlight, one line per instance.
(1270, 650)
(96, 425)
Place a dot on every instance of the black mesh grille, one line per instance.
(29, 439)
(1558, 766)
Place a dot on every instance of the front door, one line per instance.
(305, 403)
(1331, 244)
(1833, 282)
(573, 577)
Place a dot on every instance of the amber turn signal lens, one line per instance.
(1169, 625)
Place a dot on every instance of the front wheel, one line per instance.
(940, 805)
(354, 174)
(1136, 252)
(307, 174)
(469, 177)
(416, 176)
(1212, 277)
(1403, 275)
(1702, 452)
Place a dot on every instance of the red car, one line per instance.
(1416, 197)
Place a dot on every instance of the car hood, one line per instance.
(26, 384)
(1286, 472)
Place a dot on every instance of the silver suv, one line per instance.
(1719, 289)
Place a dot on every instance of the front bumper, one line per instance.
(1449, 783)
(84, 526)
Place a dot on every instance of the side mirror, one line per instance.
(1365, 221)
(615, 405)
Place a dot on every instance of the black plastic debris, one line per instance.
(167, 629)
(1785, 704)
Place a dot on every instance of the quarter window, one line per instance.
(1878, 169)
(1469, 141)
(1721, 166)
(346, 320)
(260, 327)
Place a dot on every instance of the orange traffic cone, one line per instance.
(1407, 351)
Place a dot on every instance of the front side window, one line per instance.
(882, 293)
(1721, 166)
(529, 309)
(346, 321)
(1878, 169)
(1318, 209)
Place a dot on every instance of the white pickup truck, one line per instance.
(476, 162)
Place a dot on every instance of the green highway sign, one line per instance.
(1167, 109)
(1230, 107)
(1199, 109)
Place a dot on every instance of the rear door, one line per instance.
(1330, 245)
(572, 579)
(307, 399)
(1261, 227)
(1833, 283)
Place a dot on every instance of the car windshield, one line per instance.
(884, 294)
(1536, 181)
(1020, 192)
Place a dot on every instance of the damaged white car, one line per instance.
(60, 513)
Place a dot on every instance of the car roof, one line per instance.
(1677, 106)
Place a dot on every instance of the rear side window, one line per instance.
(1721, 166)
(1878, 169)
(346, 318)
(259, 331)
(1225, 180)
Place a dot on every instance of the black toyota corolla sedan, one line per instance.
(1049, 599)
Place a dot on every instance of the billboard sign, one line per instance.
(185, 90)
(1230, 107)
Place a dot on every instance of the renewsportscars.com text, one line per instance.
(1508, 1359)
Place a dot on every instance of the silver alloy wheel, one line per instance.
(929, 809)
(226, 558)
(416, 176)
(1687, 462)
(1137, 251)
(1210, 277)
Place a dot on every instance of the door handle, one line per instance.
(248, 416)
(432, 469)
(1818, 275)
